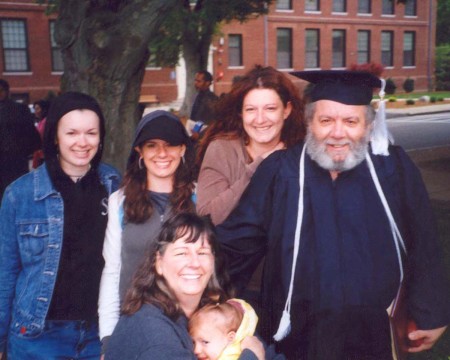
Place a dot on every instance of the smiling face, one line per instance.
(187, 268)
(78, 139)
(161, 160)
(263, 115)
(337, 135)
(210, 337)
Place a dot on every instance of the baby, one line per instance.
(217, 330)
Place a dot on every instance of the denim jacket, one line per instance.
(31, 234)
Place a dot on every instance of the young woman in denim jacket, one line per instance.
(52, 226)
(158, 183)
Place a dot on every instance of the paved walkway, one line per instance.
(433, 163)
(418, 110)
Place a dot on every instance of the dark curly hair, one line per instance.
(148, 287)
(229, 125)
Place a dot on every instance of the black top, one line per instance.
(203, 108)
(343, 86)
(75, 295)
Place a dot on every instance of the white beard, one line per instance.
(317, 151)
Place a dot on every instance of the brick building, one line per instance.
(295, 35)
(333, 34)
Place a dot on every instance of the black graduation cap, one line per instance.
(346, 87)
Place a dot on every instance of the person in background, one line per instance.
(203, 112)
(19, 138)
(40, 113)
(344, 221)
(261, 114)
(182, 272)
(52, 226)
(217, 330)
(40, 110)
(158, 184)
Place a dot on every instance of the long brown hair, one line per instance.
(229, 125)
(148, 287)
(137, 205)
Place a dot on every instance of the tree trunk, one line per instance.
(195, 48)
(105, 53)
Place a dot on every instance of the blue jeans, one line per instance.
(60, 340)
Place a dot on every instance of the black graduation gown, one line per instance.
(348, 272)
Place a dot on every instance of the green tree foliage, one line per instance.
(443, 67)
(390, 86)
(408, 85)
(443, 22)
(193, 24)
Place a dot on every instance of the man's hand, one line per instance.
(429, 338)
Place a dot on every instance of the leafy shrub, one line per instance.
(408, 85)
(410, 102)
(443, 67)
(432, 99)
(390, 87)
(440, 98)
(392, 99)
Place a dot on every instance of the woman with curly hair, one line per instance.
(182, 272)
(261, 114)
(158, 184)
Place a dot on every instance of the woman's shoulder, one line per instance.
(108, 170)
(26, 183)
(117, 196)
(222, 147)
(151, 320)
(149, 333)
(225, 143)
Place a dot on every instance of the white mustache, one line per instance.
(338, 143)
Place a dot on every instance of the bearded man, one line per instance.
(342, 220)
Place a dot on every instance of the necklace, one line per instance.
(76, 178)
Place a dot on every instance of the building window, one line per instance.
(411, 8)
(339, 6)
(235, 50)
(312, 54)
(57, 61)
(363, 46)
(338, 48)
(312, 5)
(387, 58)
(283, 5)
(364, 7)
(409, 48)
(284, 48)
(15, 45)
(388, 7)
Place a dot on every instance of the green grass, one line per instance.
(418, 94)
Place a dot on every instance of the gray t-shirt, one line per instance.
(137, 238)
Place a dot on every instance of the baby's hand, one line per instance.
(255, 345)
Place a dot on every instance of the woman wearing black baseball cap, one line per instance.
(158, 184)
